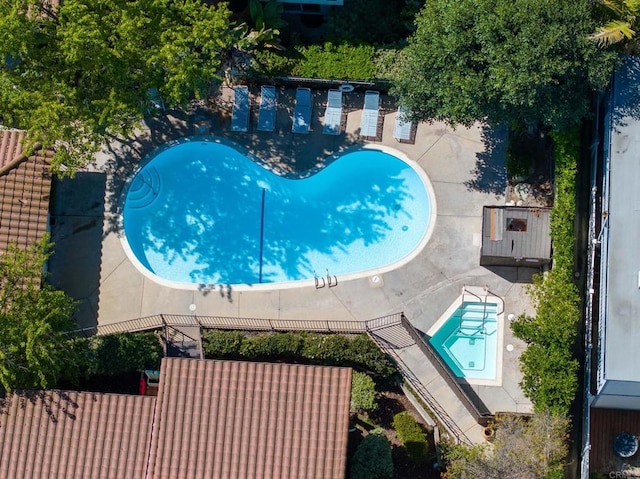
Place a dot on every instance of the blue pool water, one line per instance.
(467, 343)
(200, 212)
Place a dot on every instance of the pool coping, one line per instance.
(374, 274)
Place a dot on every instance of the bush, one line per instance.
(411, 435)
(222, 344)
(317, 348)
(117, 354)
(337, 61)
(548, 365)
(372, 459)
(364, 352)
(363, 392)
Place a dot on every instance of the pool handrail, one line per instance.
(333, 114)
(481, 414)
(302, 111)
(241, 107)
(268, 107)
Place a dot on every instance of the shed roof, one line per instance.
(516, 232)
(24, 194)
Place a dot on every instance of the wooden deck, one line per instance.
(606, 424)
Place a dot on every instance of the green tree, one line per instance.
(623, 24)
(33, 316)
(535, 448)
(524, 61)
(76, 75)
(363, 392)
(123, 353)
(372, 459)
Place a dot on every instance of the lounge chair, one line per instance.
(402, 128)
(267, 112)
(240, 116)
(369, 125)
(302, 111)
(333, 113)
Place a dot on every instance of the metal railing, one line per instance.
(447, 422)
(476, 408)
(250, 324)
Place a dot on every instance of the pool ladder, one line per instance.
(332, 280)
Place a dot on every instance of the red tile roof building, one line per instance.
(213, 419)
(24, 193)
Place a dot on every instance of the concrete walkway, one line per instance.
(466, 170)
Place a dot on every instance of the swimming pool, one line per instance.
(202, 213)
(467, 341)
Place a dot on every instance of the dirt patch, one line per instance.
(530, 169)
(391, 401)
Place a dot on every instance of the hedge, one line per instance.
(550, 370)
(359, 352)
(411, 435)
(116, 354)
(332, 61)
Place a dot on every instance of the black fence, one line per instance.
(464, 393)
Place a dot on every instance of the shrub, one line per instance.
(372, 459)
(318, 348)
(411, 436)
(548, 365)
(337, 61)
(363, 392)
(363, 351)
(222, 344)
(119, 354)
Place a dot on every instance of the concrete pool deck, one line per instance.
(466, 170)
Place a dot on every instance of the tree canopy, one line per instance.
(33, 347)
(77, 74)
(534, 448)
(525, 61)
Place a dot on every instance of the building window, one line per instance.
(516, 224)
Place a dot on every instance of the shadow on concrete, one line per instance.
(490, 174)
(515, 274)
(76, 229)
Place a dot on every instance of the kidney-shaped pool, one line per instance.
(202, 213)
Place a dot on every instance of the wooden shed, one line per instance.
(515, 236)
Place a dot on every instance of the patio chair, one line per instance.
(369, 125)
(267, 111)
(333, 113)
(302, 111)
(402, 128)
(240, 115)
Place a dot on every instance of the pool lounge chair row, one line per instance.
(332, 123)
(241, 108)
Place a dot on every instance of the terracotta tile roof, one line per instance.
(213, 419)
(234, 419)
(24, 194)
(605, 425)
(65, 435)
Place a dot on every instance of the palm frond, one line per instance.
(619, 7)
(613, 32)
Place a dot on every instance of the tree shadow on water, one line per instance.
(489, 174)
